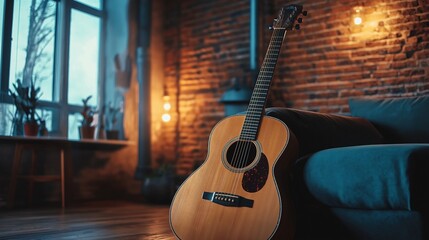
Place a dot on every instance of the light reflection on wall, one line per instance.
(369, 22)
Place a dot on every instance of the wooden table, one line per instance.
(64, 147)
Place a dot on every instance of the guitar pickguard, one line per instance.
(255, 178)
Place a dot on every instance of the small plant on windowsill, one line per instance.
(26, 99)
(111, 120)
(86, 130)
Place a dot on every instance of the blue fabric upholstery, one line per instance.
(382, 224)
(400, 120)
(390, 176)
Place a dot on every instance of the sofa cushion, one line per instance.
(318, 131)
(400, 120)
(391, 176)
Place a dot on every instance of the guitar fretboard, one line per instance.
(259, 96)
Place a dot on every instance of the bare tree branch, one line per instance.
(39, 36)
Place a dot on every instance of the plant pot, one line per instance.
(112, 134)
(86, 132)
(100, 133)
(158, 189)
(31, 129)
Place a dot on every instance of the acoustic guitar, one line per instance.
(241, 190)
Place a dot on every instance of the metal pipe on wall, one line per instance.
(143, 75)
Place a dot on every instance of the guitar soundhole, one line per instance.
(241, 154)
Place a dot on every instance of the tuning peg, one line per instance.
(304, 13)
(276, 20)
(300, 20)
(270, 27)
(297, 27)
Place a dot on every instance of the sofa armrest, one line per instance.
(383, 177)
(318, 131)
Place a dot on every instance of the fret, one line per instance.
(253, 122)
(270, 67)
(259, 101)
(256, 110)
(263, 81)
(264, 88)
(257, 97)
(251, 126)
(250, 133)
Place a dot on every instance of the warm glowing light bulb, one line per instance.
(357, 20)
(166, 117)
(167, 106)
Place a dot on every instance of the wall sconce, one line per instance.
(166, 117)
(357, 15)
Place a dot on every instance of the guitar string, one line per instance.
(255, 108)
(264, 76)
(261, 81)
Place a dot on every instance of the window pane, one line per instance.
(74, 123)
(92, 3)
(1, 24)
(33, 51)
(6, 117)
(84, 58)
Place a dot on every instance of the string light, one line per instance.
(167, 105)
(166, 117)
(357, 16)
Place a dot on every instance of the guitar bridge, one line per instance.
(227, 199)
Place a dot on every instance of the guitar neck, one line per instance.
(260, 92)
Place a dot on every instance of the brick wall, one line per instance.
(211, 49)
(321, 66)
(331, 60)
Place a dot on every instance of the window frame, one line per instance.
(59, 103)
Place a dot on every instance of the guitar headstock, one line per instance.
(287, 17)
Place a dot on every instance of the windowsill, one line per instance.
(95, 143)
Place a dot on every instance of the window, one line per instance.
(84, 51)
(1, 25)
(56, 44)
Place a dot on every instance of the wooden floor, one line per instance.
(100, 220)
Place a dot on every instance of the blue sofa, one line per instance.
(364, 176)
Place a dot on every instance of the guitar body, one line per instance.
(223, 200)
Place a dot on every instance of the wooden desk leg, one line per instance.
(32, 173)
(67, 170)
(63, 204)
(14, 175)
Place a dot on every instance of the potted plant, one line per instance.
(26, 99)
(86, 130)
(111, 120)
(159, 186)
